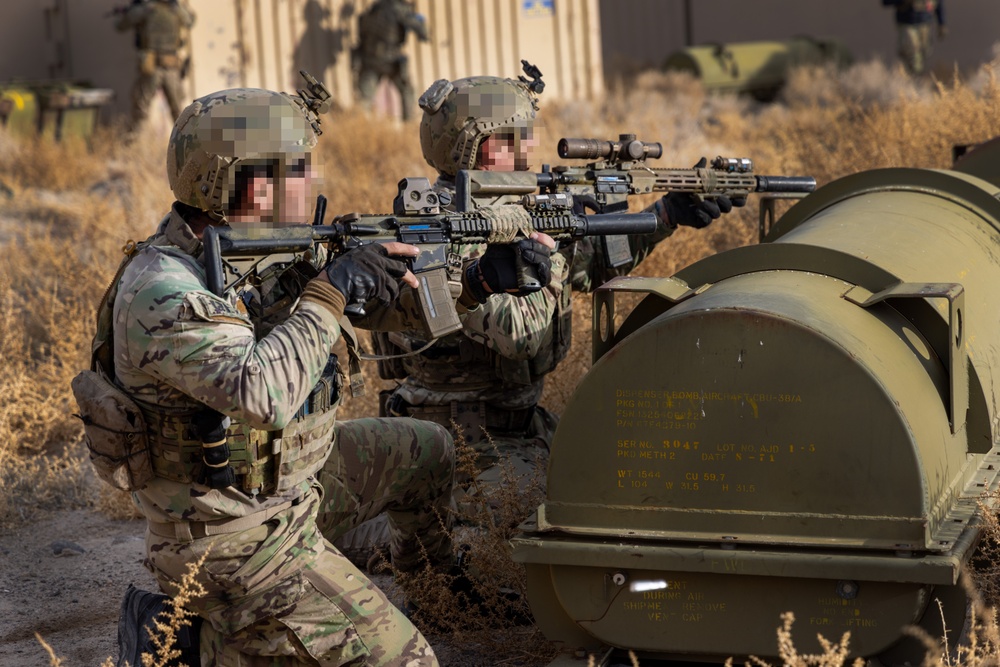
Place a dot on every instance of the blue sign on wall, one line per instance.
(538, 7)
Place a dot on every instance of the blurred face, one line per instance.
(285, 197)
(296, 198)
(510, 149)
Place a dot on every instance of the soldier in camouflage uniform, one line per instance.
(914, 20)
(488, 378)
(160, 27)
(221, 410)
(382, 31)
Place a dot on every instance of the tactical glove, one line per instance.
(366, 273)
(499, 268)
(690, 210)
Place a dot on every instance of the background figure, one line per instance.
(161, 28)
(320, 45)
(913, 22)
(382, 30)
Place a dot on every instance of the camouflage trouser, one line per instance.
(519, 457)
(915, 44)
(524, 453)
(147, 84)
(398, 73)
(397, 466)
(279, 595)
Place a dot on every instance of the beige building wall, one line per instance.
(263, 43)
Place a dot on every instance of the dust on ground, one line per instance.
(64, 575)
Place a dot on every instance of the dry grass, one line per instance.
(167, 625)
(73, 208)
(488, 606)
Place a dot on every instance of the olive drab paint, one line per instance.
(802, 425)
(758, 68)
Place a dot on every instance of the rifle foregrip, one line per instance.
(786, 184)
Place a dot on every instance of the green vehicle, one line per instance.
(806, 425)
(757, 68)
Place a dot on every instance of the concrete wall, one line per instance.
(646, 31)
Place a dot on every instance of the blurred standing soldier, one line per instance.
(161, 28)
(490, 375)
(382, 31)
(913, 22)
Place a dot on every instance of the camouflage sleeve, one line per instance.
(513, 326)
(589, 267)
(199, 344)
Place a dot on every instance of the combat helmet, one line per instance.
(460, 115)
(219, 132)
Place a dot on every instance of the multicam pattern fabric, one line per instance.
(915, 46)
(914, 22)
(404, 462)
(160, 29)
(382, 30)
(278, 593)
(159, 25)
(459, 115)
(499, 360)
(488, 375)
(217, 132)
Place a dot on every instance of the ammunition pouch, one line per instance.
(147, 63)
(177, 451)
(150, 61)
(115, 431)
(262, 461)
(168, 61)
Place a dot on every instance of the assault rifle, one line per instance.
(232, 255)
(618, 170)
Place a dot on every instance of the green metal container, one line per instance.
(51, 109)
(803, 425)
(759, 68)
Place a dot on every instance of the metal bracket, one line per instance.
(673, 290)
(958, 367)
(768, 213)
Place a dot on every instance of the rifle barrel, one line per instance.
(786, 184)
(605, 224)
